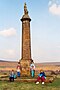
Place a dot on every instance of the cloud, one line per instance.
(54, 8)
(8, 32)
(49, 3)
(8, 54)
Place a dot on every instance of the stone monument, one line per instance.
(26, 43)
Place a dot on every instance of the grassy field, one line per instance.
(6, 85)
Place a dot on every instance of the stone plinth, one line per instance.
(25, 67)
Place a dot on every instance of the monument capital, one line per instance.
(25, 15)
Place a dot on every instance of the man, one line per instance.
(41, 77)
(11, 77)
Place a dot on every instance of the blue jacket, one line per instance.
(11, 75)
(42, 74)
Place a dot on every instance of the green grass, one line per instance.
(6, 85)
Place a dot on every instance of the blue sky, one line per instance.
(45, 29)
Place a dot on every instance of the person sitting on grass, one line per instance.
(11, 76)
(41, 77)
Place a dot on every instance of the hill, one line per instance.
(9, 65)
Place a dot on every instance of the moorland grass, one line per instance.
(6, 85)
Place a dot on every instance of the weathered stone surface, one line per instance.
(26, 43)
(25, 64)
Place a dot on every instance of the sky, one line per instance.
(44, 28)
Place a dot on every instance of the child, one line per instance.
(18, 69)
(32, 69)
(11, 77)
(41, 76)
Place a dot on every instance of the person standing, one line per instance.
(32, 69)
(18, 69)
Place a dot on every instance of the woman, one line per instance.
(32, 69)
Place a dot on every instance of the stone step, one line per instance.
(25, 80)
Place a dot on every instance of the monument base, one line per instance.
(25, 65)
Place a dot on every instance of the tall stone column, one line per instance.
(26, 43)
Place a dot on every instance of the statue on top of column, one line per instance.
(25, 9)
